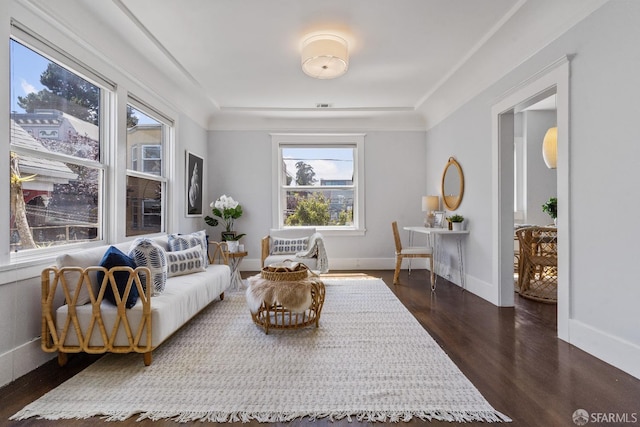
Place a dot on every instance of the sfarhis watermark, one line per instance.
(581, 417)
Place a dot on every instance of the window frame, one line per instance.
(166, 135)
(111, 163)
(105, 119)
(306, 140)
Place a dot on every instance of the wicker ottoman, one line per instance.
(285, 304)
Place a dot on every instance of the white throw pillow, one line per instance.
(146, 253)
(180, 242)
(184, 262)
(280, 245)
(82, 259)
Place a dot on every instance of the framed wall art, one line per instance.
(194, 172)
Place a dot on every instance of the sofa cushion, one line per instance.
(114, 257)
(180, 242)
(146, 253)
(184, 262)
(82, 259)
(280, 245)
(182, 298)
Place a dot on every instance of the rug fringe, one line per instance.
(366, 416)
(276, 417)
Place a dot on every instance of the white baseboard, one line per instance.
(484, 290)
(622, 354)
(22, 360)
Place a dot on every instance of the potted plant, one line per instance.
(228, 210)
(455, 221)
(551, 207)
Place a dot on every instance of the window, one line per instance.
(319, 181)
(57, 169)
(146, 183)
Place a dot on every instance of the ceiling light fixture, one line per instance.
(325, 56)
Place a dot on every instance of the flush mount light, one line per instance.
(325, 56)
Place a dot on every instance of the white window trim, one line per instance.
(167, 158)
(320, 139)
(13, 260)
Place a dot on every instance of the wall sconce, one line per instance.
(550, 148)
(325, 56)
(430, 204)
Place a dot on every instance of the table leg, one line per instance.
(435, 253)
(236, 279)
(460, 262)
(410, 244)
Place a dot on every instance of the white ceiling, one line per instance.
(407, 56)
(247, 53)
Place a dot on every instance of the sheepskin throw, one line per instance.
(295, 296)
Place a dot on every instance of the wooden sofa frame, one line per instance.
(53, 277)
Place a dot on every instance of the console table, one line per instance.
(434, 235)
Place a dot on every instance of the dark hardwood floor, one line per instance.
(511, 355)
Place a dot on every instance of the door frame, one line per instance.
(555, 75)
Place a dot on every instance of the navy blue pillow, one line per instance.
(116, 258)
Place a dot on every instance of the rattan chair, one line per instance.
(410, 252)
(538, 263)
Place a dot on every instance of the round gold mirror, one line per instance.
(452, 185)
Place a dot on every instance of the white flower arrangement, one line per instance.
(228, 210)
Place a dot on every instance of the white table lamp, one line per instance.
(430, 204)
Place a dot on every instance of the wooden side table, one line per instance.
(235, 258)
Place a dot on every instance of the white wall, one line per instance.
(541, 182)
(189, 136)
(240, 166)
(604, 89)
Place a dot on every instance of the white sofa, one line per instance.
(141, 328)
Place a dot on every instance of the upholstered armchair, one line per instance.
(300, 244)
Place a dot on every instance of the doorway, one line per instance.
(535, 186)
(554, 78)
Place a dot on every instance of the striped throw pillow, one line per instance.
(146, 253)
(180, 242)
(184, 262)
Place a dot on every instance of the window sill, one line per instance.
(27, 265)
(331, 231)
(23, 270)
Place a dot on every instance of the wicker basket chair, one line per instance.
(538, 263)
(280, 293)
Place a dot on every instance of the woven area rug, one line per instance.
(369, 360)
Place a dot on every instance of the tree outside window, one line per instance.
(56, 171)
(317, 185)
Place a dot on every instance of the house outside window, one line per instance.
(146, 179)
(319, 181)
(57, 166)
